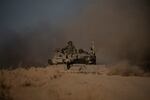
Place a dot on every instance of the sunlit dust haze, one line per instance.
(30, 30)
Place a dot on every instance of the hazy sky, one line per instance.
(120, 28)
(19, 14)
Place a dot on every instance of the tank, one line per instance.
(71, 55)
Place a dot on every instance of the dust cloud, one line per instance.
(120, 30)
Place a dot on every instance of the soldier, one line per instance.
(92, 54)
(70, 49)
(92, 48)
(70, 52)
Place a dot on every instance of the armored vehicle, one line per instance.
(71, 55)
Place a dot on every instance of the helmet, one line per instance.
(69, 42)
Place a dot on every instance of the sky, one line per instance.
(31, 29)
(18, 14)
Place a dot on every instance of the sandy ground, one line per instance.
(53, 83)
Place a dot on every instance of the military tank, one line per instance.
(70, 55)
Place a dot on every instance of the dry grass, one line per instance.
(53, 83)
(4, 88)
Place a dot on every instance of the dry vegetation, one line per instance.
(53, 83)
(4, 88)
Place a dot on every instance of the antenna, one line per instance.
(93, 45)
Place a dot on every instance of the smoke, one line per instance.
(120, 30)
(29, 48)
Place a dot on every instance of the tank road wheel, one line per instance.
(50, 62)
(68, 65)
